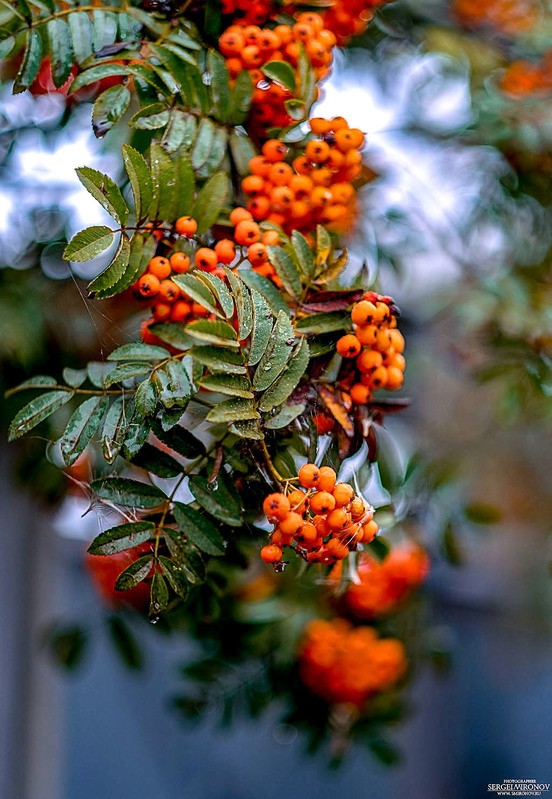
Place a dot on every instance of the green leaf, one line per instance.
(123, 640)
(114, 429)
(89, 243)
(266, 288)
(234, 385)
(303, 254)
(216, 360)
(105, 191)
(333, 269)
(36, 411)
(217, 154)
(82, 425)
(482, 513)
(198, 291)
(287, 270)
(324, 322)
(6, 46)
(97, 73)
(233, 410)
(125, 371)
(61, 50)
(81, 35)
(159, 596)
(244, 306)
(213, 332)
(288, 380)
(178, 390)
(262, 328)
(31, 62)
(145, 398)
(249, 428)
(307, 81)
(74, 377)
(136, 434)
(142, 250)
(242, 95)
(165, 202)
(282, 72)
(217, 499)
(121, 537)
(210, 201)
(109, 108)
(140, 180)
(186, 555)
(96, 371)
(176, 576)
(33, 383)
(136, 351)
(199, 530)
(203, 142)
(186, 184)
(219, 289)
(276, 355)
(105, 28)
(134, 574)
(285, 416)
(151, 117)
(130, 493)
(220, 85)
(67, 645)
(113, 273)
(172, 333)
(179, 440)
(159, 463)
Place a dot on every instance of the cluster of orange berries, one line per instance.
(522, 78)
(507, 16)
(248, 12)
(323, 524)
(346, 664)
(348, 18)
(377, 346)
(250, 47)
(316, 187)
(383, 586)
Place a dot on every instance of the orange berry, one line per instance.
(274, 150)
(253, 185)
(160, 267)
(247, 232)
(271, 553)
(181, 310)
(398, 361)
(320, 197)
(317, 151)
(270, 237)
(307, 533)
(298, 500)
(259, 207)
(240, 215)
(378, 378)
(259, 165)
(280, 174)
(284, 34)
(320, 126)
(348, 346)
(326, 479)
(337, 548)
(257, 254)
(291, 523)
(383, 341)
(199, 310)
(322, 177)
(322, 502)
(186, 226)
(206, 258)
(162, 311)
(148, 285)
(276, 506)
(367, 335)
(395, 378)
(338, 519)
(302, 165)
(360, 394)
(225, 250)
(180, 262)
(308, 475)
(397, 340)
(339, 123)
(169, 291)
(369, 360)
(343, 494)
(363, 313)
(301, 185)
(350, 139)
(369, 531)
(231, 43)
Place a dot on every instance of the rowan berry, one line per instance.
(186, 226)
(348, 346)
(240, 215)
(298, 500)
(162, 311)
(179, 262)
(361, 394)
(307, 533)
(309, 475)
(320, 126)
(231, 43)
(259, 208)
(148, 285)
(270, 237)
(225, 250)
(397, 340)
(367, 335)
(349, 139)
(160, 267)
(363, 313)
(291, 522)
(206, 258)
(338, 519)
(181, 310)
(257, 254)
(274, 150)
(317, 151)
(395, 378)
(343, 494)
(369, 531)
(199, 310)
(322, 502)
(271, 553)
(276, 506)
(259, 165)
(169, 291)
(247, 232)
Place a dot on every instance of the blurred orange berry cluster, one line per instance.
(347, 664)
(251, 47)
(377, 347)
(348, 18)
(524, 78)
(316, 188)
(248, 12)
(506, 16)
(383, 586)
(324, 524)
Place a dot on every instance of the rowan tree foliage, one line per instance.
(250, 413)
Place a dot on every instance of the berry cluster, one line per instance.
(383, 586)
(503, 15)
(342, 663)
(247, 12)
(348, 18)
(522, 78)
(250, 47)
(316, 187)
(377, 346)
(323, 524)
